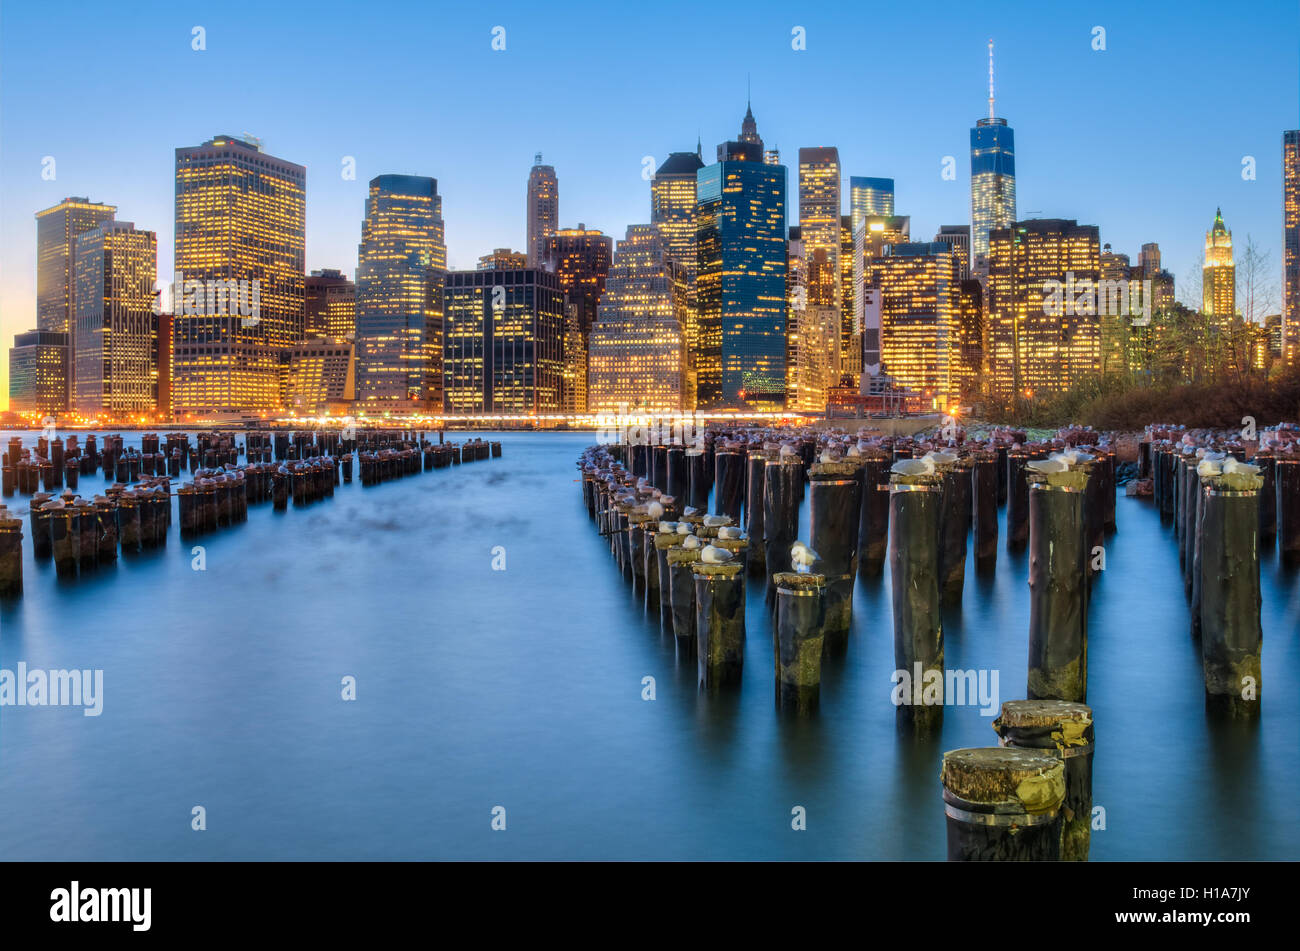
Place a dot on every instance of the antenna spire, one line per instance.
(990, 78)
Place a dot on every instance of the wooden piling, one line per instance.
(799, 639)
(1003, 804)
(914, 503)
(719, 623)
(1065, 730)
(984, 503)
(11, 554)
(681, 596)
(835, 506)
(755, 477)
(782, 481)
(1058, 605)
(873, 522)
(1231, 632)
(954, 528)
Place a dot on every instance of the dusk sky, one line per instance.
(1144, 139)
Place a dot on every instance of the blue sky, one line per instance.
(1144, 139)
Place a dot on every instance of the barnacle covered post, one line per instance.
(915, 495)
(719, 621)
(1231, 634)
(1064, 730)
(1286, 477)
(1003, 804)
(1058, 604)
(1017, 498)
(835, 504)
(798, 639)
(697, 479)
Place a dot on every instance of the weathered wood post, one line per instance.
(984, 501)
(1003, 804)
(1231, 632)
(1017, 499)
(1058, 604)
(798, 640)
(719, 622)
(914, 501)
(954, 527)
(42, 543)
(681, 593)
(782, 480)
(835, 505)
(873, 523)
(11, 554)
(697, 479)
(1064, 730)
(729, 482)
(755, 478)
(1286, 476)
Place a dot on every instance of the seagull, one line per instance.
(1047, 465)
(714, 556)
(690, 542)
(913, 467)
(802, 557)
(1231, 465)
(717, 520)
(940, 458)
(730, 531)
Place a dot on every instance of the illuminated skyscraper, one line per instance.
(240, 233)
(503, 350)
(331, 306)
(57, 228)
(636, 353)
(503, 259)
(1037, 343)
(1218, 275)
(741, 284)
(870, 196)
(819, 229)
(672, 211)
(920, 317)
(543, 210)
(749, 129)
(116, 330)
(1290, 329)
(39, 368)
(812, 343)
(580, 257)
(400, 263)
(957, 237)
(850, 334)
(992, 179)
(320, 374)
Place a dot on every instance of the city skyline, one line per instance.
(1150, 191)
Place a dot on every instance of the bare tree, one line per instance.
(1256, 290)
(1189, 288)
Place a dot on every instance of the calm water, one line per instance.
(522, 688)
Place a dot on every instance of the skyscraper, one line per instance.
(749, 129)
(240, 232)
(580, 257)
(992, 179)
(672, 211)
(57, 229)
(920, 317)
(1290, 246)
(38, 372)
(503, 350)
(331, 306)
(819, 229)
(741, 284)
(1042, 332)
(958, 238)
(116, 330)
(870, 196)
(636, 354)
(1218, 275)
(543, 210)
(400, 264)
